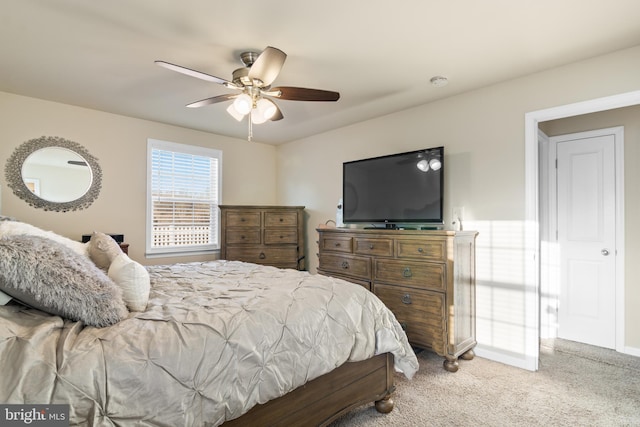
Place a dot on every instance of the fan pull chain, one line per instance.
(250, 127)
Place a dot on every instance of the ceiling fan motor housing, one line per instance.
(248, 58)
(241, 77)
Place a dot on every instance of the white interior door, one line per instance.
(586, 221)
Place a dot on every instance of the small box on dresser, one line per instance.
(426, 278)
(269, 235)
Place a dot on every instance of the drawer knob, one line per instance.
(406, 299)
(337, 245)
(420, 250)
(407, 272)
(262, 255)
(345, 264)
(242, 237)
(370, 246)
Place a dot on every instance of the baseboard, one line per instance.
(631, 351)
(528, 363)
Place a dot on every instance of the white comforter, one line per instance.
(216, 339)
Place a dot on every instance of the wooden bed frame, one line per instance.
(324, 399)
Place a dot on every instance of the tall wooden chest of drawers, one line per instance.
(426, 278)
(270, 235)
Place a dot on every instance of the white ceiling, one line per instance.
(379, 54)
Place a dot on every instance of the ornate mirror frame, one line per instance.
(13, 174)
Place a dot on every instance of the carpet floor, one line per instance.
(576, 385)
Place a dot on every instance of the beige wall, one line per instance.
(120, 143)
(483, 134)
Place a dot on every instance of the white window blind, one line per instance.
(183, 198)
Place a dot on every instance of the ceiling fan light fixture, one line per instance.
(257, 118)
(243, 104)
(266, 108)
(231, 109)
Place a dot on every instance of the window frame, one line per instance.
(152, 252)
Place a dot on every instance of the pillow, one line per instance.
(4, 298)
(49, 276)
(133, 280)
(12, 228)
(103, 249)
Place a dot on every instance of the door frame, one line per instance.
(548, 224)
(532, 206)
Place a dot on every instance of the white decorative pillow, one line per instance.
(49, 276)
(103, 250)
(13, 228)
(133, 279)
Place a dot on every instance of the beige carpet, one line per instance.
(576, 385)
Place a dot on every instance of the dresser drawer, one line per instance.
(262, 255)
(280, 219)
(432, 249)
(336, 244)
(426, 275)
(242, 219)
(349, 265)
(375, 247)
(421, 314)
(243, 235)
(280, 236)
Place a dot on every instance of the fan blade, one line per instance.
(304, 94)
(212, 100)
(196, 74)
(268, 65)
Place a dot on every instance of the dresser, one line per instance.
(269, 235)
(426, 278)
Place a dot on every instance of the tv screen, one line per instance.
(395, 189)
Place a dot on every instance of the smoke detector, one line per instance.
(439, 81)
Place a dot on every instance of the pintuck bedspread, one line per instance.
(216, 338)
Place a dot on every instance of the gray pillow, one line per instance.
(51, 277)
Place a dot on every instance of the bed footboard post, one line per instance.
(385, 405)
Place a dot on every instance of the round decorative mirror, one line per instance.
(54, 174)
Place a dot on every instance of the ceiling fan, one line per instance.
(252, 84)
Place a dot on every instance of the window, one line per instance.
(183, 192)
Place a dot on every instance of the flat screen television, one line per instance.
(393, 190)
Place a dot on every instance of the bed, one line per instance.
(217, 342)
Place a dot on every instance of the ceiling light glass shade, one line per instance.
(266, 108)
(243, 104)
(423, 165)
(256, 118)
(435, 164)
(234, 113)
